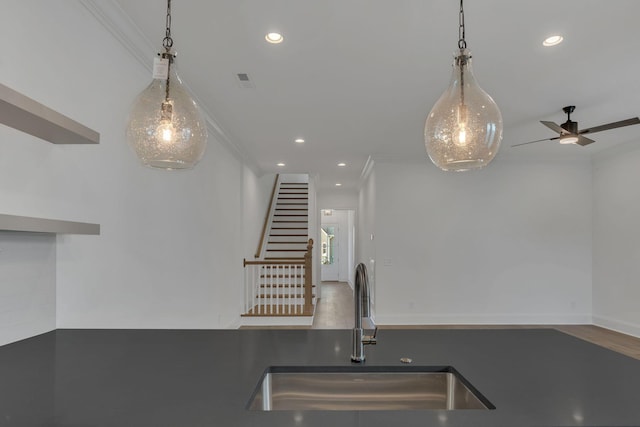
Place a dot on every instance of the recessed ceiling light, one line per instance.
(274, 38)
(338, 184)
(299, 141)
(552, 40)
(281, 164)
(342, 164)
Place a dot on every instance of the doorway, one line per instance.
(329, 252)
(337, 235)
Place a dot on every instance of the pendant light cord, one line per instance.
(167, 43)
(462, 44)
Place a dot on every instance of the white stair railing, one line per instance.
(278, 287)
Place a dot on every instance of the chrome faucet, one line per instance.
(362, 310)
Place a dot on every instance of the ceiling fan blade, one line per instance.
(531, 142)
(583, 140)
(621, 123)
(554, 127)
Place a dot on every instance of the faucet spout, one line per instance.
(362, 309)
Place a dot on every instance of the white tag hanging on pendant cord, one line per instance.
(160, 68)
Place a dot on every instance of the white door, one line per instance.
(329, 253)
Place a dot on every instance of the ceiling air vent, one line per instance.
(244, 81)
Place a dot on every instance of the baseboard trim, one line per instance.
(483, 319)
(617, 325)
(277, 321)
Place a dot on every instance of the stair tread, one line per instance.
(296, 222)
(288, 243)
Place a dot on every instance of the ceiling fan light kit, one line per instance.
(463, 131)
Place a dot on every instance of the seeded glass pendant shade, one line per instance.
(167, 134)
(166, 129)
(463, 131)
(464, 128)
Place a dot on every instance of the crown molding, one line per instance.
(366, 170)
(115, 20)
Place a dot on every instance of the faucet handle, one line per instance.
(370, 339)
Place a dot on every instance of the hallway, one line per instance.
(335, 308)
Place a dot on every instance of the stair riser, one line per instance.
(289, 233)
(292, 211)
(295, 218)
(287, 247)
(293, 191)
(295, 197)
(289, 224)
(290, 239)
(292, 252)
(293, 206)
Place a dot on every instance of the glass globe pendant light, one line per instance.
(463, 131)
(166, 128)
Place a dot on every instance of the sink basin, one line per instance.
(364, 388)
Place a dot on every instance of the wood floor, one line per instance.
(335, 311)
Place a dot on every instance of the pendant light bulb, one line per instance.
(166, 129)
(464, 129)
(460, 134)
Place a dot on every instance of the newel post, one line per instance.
(308, 278)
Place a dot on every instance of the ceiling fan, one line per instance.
(569, 133)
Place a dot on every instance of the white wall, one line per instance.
(256, 197)
(337, 199)
(616, 239)
(507, 244)
(27, 285)
(365, 249)
(171, 247)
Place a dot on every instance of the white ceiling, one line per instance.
(356, 78)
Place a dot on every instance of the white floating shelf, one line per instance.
(29, 116)
(41, 225)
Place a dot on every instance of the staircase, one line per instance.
(278, 283)
(289, 229)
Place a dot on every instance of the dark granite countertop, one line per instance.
(160, 378)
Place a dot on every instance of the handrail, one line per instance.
(266, 218)
(279, 261)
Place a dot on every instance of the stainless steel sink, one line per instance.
(364, 388)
